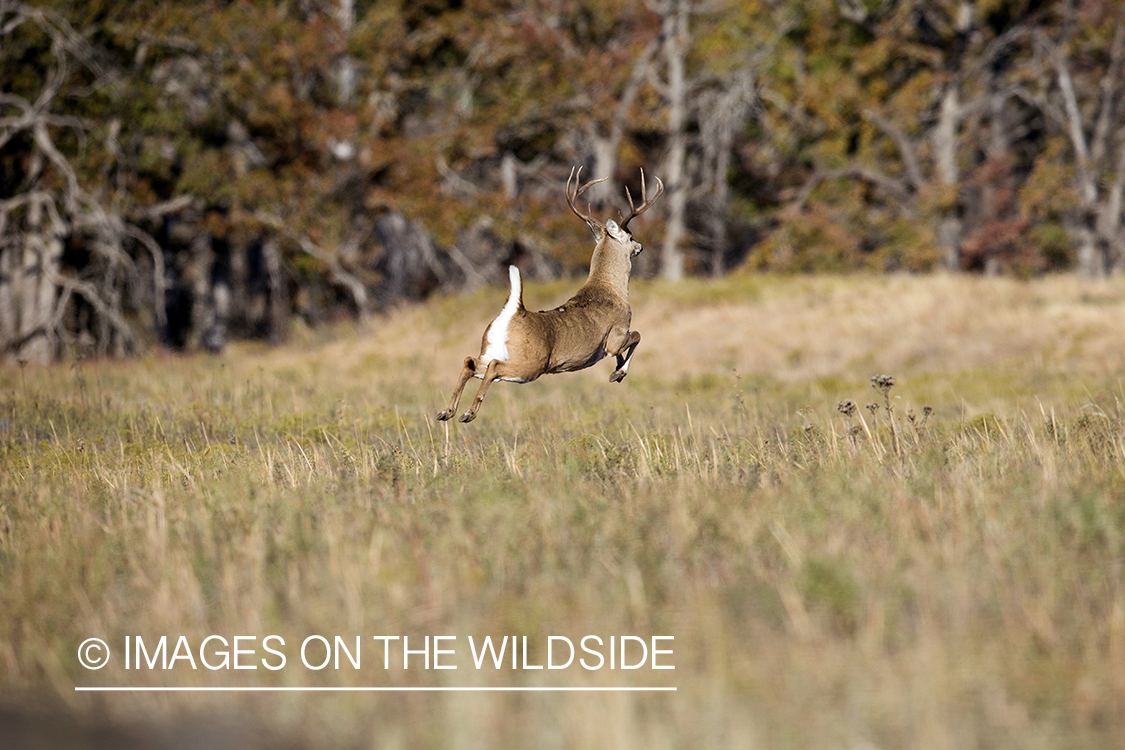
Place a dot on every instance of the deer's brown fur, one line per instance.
(520, 345)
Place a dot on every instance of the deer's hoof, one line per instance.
(467, 417)
(443, 416)
(617, 376)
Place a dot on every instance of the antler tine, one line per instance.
(646, 203)
(572, 200)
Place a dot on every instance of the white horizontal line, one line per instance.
(116, 689)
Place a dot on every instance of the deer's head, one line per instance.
(611, 230)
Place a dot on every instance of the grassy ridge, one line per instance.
(829, 578)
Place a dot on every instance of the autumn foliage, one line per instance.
(185, 172)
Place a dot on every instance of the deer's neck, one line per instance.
(610, 269)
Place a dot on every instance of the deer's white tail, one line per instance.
(515, 297)
(498, 332)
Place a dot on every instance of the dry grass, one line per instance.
(831, 579)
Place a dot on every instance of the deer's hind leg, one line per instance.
(624, 355)
(495, 369)
(467, 371)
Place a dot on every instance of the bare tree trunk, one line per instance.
(1111, 215)
(720, 193)
(605, 164)
(605, 147)
(719, 240)
(945, 138)
(50, 263)
(220, 283)
(1093, 247)
(1090, 262)
(199, 277)
(722, 114)
(997, 149)
(8, 322)
(950, 224)
(345, 66)
(1096, 234)
(278, 308)
(676, 40)
(509, 177)
(241, 287)
(25, 291)
(36, 288)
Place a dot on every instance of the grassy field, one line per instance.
(865, 578)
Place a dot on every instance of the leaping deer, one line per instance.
(520, 345)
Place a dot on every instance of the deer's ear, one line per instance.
(616, 232)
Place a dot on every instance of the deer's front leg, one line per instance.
(624, 355)
(490, 373)
(467, 372)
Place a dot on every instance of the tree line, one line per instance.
(184, 172)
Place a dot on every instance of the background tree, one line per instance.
(1078, 80)
(72, 254)
(898, 99)
(185, 173)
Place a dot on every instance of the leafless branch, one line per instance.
(999, 47)
(60, 31)
(157, 253)
(632, 88)
(1041, 103)
(336, 273)
(986, 101)
(90, 293)
(905, 147)
(474, 277)
(892, 186)
(454, 183)
(158, 211)
(1109, 87)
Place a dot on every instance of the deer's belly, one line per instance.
(480, 376)
(578, 363)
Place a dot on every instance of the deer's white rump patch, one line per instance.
(498, 331)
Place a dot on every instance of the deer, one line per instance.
(520, 345)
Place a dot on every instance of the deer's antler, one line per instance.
(578, 191)
(646, 203)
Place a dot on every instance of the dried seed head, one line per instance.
(847, 408)
(883, 382)
(873, 407)
(927, 411)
